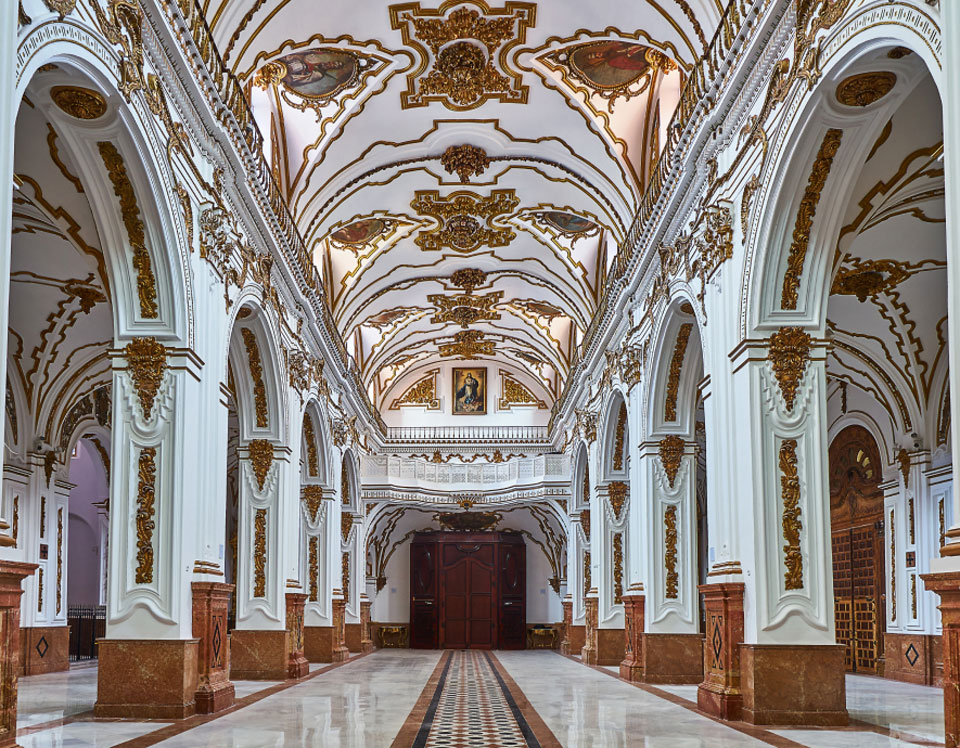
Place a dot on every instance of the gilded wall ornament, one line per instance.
(312, 498)
(676, 368)
(618, 437)
(130, 212)
(59, 590)
(260, 553)
(618, 568)
(81, 103)
(465, 309)
(63, 7)
(468, 344)
(49, 464)
(15, 530)
(346, 523)
(314, 568)
(893, 566)
(672, 589)
(632, 362)
(671, 454)
(866, 88)
(146, 498)
(464, 219)
(587, 424)
(345, 575)
(256, 375)
(146, 365)
(310, 438)
(121, 26)
(868, 279)
(513, 393)
(260, 452)
(468, 279)
(911, 521)
(789, 353)
(792, 526)
(903, 460)
(11, 410)
(40, 590)
(797, 255)
(617, 492)
(466, 160)
(421, 392)
(462, 53)
(587, 574)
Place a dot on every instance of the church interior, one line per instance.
(479, 373)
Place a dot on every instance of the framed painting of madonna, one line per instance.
(469, 392)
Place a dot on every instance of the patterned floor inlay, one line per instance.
(472, 707)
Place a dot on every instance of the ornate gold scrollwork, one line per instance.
(59, 590)
(256, 374)
(866, 88)
(792, 526)
(346, 524)
(465, 219)
(805, 214)
(345, 575)
(261, 458)
(671, 453)
(146, 498)
(260, 553)
(314, 568)
(587, 424)
(903, 460)
(672, 590)
(514, 393)
(146, 365)
(312, 497)
(467, 344)
(619, 434)
(465, 309)
(618, 568)
(81, 103)
(421, 392)
(676, 368)
(310, 437)
(466, 160)
(617, 491)
(789, 353)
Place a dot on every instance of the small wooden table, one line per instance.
(543, 638)
(398, 636)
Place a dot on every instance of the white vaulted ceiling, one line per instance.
(417, 140)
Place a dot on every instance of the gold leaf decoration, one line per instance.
(261, 458)
(619, 434)
(585, 524)
(81, 103)
(465, 309)
(670, 552)
(792, 526)
(130, 212)
(676, 368)
(671, 453)
(618, 568)
(903, 460)
(468, 279)
(59, 590)
(309, 436)
(788, 353)
(617, 491)
(466, 160)
(314, 568)
(462, 54)
(346, 523)
(421, 392)
(146, 497)
(514, 393)
(256, 374)
(866, 88)
(260, 553)
(805, 214)
(345, 575)
(587, 424)
(312, 497)
(146, 365)
(464, 219)
(893, 566)
(467, 344)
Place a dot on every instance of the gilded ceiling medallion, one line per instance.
(468, 521)
(466, 160)
(468, 279)
(468, 344)
(82, 103)
(465, 309)
(866, 88)
(464, 219)
(568, 224)
(463, 53)
(868, 279)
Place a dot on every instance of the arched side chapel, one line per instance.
(261, 356)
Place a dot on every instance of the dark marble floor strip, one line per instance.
(527, 717)
(411, 728)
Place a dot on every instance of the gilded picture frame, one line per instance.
(469, 391)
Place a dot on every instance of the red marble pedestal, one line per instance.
(591, 646)
(947, 586)
(339, 651)
(44, 649)
(318, 643)
(719, 693)
(297, 665)
(146, 678)
(211, 603)
(259, 654)
(366, 633)
(631, 668)
(12, 574)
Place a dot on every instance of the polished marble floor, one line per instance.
(366, 702)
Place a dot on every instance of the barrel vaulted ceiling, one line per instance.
(463, 172)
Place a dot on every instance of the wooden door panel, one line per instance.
(424, 608)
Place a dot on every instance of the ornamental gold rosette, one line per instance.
(146, 365)
(464, 219)
(788, 353)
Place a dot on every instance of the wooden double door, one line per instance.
(467, 590)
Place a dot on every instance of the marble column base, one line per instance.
(631, 668)
(146, 678)
(352, 636)
(211, 603)
(914, 658)
(12, 574)
(339, 651)
(675, 659)
(793, 684)
(590, 652)
(574, 641)
(44, 649)
(318, 643)
(258, 655)
(366, 627)
(611, 646)
(947, 586)
(719, 694)
(297, 665)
